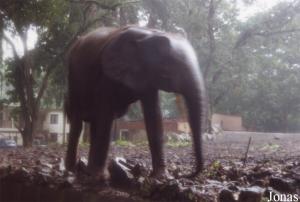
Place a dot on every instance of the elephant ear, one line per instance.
(130, 57)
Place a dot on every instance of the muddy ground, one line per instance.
(263, 145)
(272, 166)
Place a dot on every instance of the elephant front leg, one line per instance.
(75, 130)
(153, 122)
(99, 144)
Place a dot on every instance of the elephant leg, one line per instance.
(75, 130)
(153, 122)
(100, 140)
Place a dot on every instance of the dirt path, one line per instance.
(263, 145)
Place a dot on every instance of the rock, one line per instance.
(226, 196)
(139, 170)
(232, 186)
(296, 174)
(146, 186)
(120, 174)
(251, 194)
(285, 185)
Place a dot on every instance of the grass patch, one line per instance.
(271, 147)
(179, 143)
(142, 143)
(84, 145)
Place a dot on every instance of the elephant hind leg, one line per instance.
(153, 122)
(75, 130)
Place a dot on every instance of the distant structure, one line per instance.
(134, 130)
(228, 122)
(53, 127)
(7, 125)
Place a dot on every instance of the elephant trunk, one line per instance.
(195, 98)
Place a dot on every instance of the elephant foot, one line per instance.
(99, 174)
(95, 178)
(161, 174)
(102, 175)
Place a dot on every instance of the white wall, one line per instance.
(57, 127)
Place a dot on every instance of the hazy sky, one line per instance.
(245, 13)
(258, 6)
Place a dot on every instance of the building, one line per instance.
(228, 122)
(53, 127)
(7, 125)
(134, 130)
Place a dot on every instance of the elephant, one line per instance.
(111, 68)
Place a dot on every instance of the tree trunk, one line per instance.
(28, 132)
(28, 105)
(212, 43)
(1, 60)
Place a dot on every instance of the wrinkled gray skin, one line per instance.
(111, 68)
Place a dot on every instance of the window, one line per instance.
(53, 118)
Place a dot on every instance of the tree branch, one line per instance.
(104, 6)
(210, 32)
(267, 34)
(10, 42)
(250, 33)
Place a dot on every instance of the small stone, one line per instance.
(120, 175)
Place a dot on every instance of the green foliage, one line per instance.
(177, 144)
(29, 72)
(270, 147)
(267, 92)
(214, 170)
(168, 105)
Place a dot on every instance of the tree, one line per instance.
(57, 27)
(267, 95)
